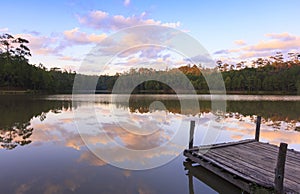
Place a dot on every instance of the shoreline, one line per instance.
(259, 93)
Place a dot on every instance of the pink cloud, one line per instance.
(283, 36)
(240, 42)
(91, 159)
(283, 42)
(40, 45)
(275, 44)
(54, 45)
(77, 37)
(278, 42)
(68, 58)
(102, 20)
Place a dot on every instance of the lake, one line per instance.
(121, 144)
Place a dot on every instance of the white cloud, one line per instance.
(102, 20)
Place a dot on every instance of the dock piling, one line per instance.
(257, 131)
(279, 171)
(192, 130)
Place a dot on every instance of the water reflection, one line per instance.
(16, 113)
(22, 114)
(212, 180)
(56, 160)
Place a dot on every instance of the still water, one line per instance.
(43, 140)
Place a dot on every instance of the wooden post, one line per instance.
(191, 184)
(279, 171)
(257, 131)
(192, 130)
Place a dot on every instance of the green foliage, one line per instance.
(277, 76)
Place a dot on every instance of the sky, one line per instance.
(63, 33)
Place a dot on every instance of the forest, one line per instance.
(272, 75)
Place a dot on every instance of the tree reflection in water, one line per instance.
(276, 114)
(16, 135)
(16, 113)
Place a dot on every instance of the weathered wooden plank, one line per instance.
(246, 149)
(219, 145)
(247, 157)
(252, 161)
(292, 165)
(240, 167)
(215, 162)
(227, 175)
(260, 176)
(272, 148)
(266, 149)
(243, 171)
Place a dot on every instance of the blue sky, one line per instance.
(63, 32)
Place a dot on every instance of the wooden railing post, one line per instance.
(279, 171)
(192, 130)
(257, 131)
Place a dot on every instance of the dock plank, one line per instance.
(257, 167)
(250, 160)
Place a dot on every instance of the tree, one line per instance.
(228, 83)
(219, 63)
(298, 86)
(14, 47)
(22, 50)
(6, 47)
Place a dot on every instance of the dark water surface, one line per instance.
(41, 150)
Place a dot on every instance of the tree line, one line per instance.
(283, 78)
(17, 74)
(269, 76)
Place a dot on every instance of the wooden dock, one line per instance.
(250, 165)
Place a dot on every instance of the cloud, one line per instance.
(68, 58)
(3, 29)
(76, 37)
(223, 51)
(240, 42)
(126, 2)
(283, 36)
(91, 159)
(102, 20)
(283, 42)
(200, 59)
(277, 42)
(40, 45)
(55, 44)
(33, 32)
